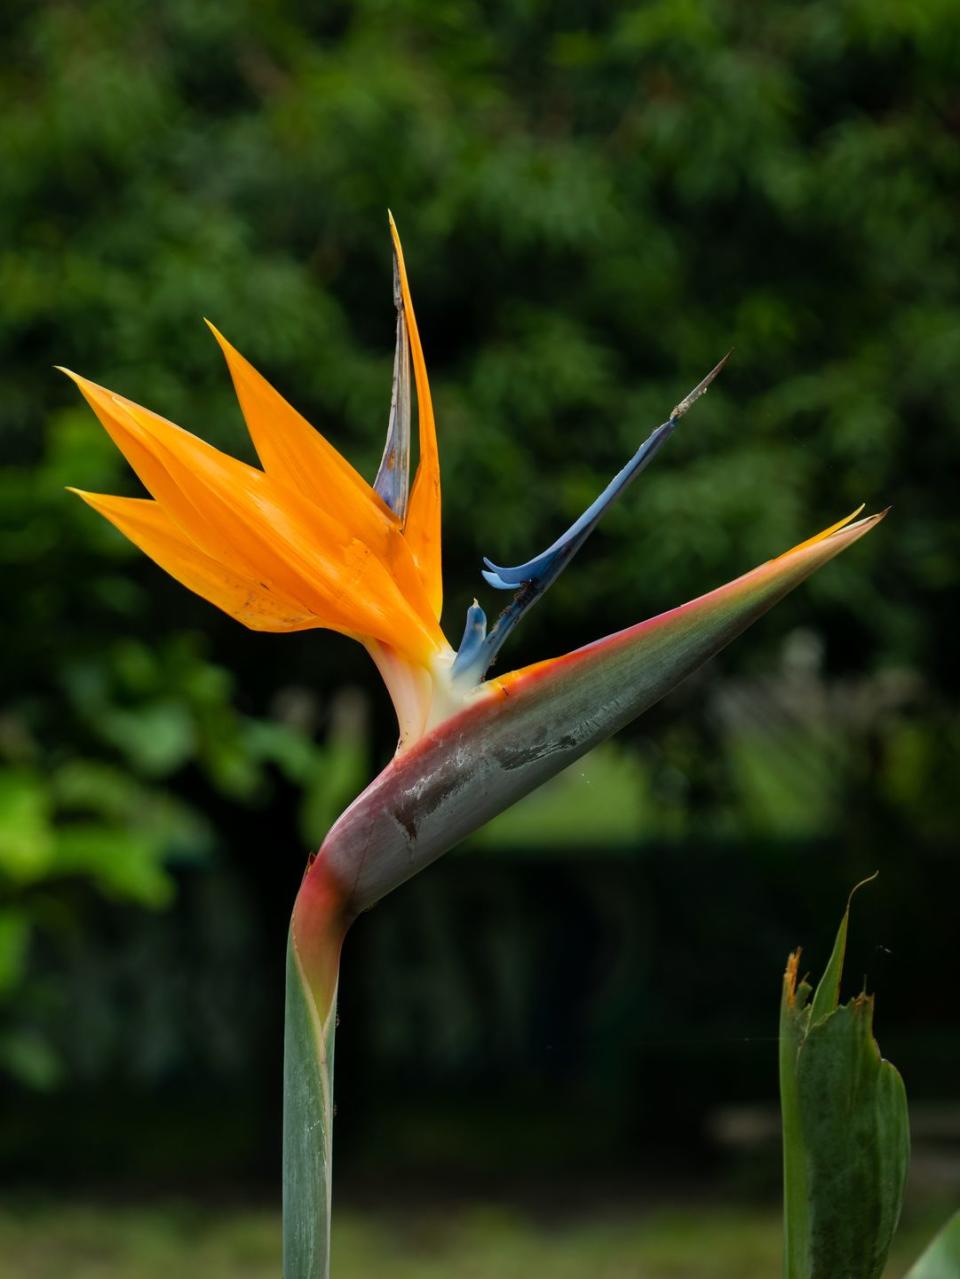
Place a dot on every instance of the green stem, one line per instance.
(313, 952)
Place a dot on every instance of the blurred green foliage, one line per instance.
(403, 1241)
(596, 201)
(110, 719)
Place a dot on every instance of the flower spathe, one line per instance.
(524, 727)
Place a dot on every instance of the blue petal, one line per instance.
(547, 566)
(531, 579)
(495, 580)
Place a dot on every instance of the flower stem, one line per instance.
(313, 954)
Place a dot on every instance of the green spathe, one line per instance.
(523, 728)
(845, 1130)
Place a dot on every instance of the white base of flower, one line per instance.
(423, 697)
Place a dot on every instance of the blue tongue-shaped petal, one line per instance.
(532, 578)
(546, 567)
(393, 477)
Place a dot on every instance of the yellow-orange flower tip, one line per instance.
(828, 532)
(790, 978)
(757, 589)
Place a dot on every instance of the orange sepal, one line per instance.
(295, 453)
(265, 531)
(824, 533)
(255, 604)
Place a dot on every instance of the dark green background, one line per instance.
(596, 201)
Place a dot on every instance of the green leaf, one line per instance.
(157, 738)
(124, 863)
(845, 1130)
(29, 1058)
(827, 995)
(26, 833)
(853, 1114)
(14, 936)
(942, 1259)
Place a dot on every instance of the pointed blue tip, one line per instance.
(493, 577)
(543, 569)
(532, 578)
(474, 635)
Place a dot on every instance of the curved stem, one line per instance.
(316, 935)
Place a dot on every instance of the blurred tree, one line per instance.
(597, 201)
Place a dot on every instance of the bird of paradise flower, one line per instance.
(306, 542)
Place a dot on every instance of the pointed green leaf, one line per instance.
(827, 994)
(845, 1130)
(853, 1114)
(942, 1259)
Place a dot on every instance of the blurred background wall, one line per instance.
(596, 201)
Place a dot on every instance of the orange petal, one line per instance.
(270, 533)
(309, 553)
(294, 452)
(122, 429)
(422, 527)
(254, 603)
